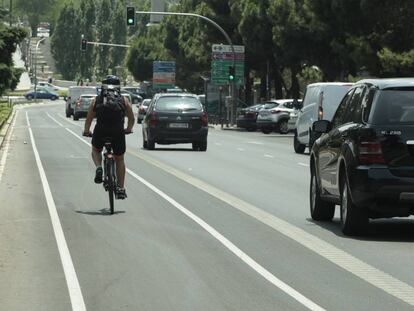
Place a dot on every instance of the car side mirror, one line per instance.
(321, 126)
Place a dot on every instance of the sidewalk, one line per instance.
(24, 83)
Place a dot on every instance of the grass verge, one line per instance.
(4, 113)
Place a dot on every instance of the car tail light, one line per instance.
(251, 114)
(204, 119)
(141, 109)
(153, 119)
(275, 111)
(370, 152)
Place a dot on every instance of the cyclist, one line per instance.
(110, 109)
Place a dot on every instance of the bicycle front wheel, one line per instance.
(111, 183)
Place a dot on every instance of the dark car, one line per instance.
(175, 118)
(135, 90)
(247, 117)
(364, 161)
(82, 106)
(42, 93)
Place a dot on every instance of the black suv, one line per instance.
(364, 161)
(174, 118)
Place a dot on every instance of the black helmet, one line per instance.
(111, 80)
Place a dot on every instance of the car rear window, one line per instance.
(175, 103)
(270, 105)
(394, 106)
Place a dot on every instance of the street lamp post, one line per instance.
(221, 30)
(35, 72)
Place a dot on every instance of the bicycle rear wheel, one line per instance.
(111, 183)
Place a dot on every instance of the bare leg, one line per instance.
(120, 170)
(97, 156)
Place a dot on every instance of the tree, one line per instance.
(66, 43)
(35, 10)
(87, 25)
(9, 38)
(103, 34)
(119, 35)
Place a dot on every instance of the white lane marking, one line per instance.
(69, 120)
(269, 156)
(56, 121)
(342, 259)
(218, 144)
(72, 282)
(240, 149)
(227, 243)
(303, 164)
(255, 142)
(6, 145)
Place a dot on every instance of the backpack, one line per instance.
(110, 100)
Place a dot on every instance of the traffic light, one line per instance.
(232, 73)
(84, 42)
(130, 16)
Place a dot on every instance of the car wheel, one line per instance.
(283, 127)
(75, 117)
(354, 220)
(151, 144)
(319, 209)
(251, 129)
(299, 148)
(139, 121)
(67, 114)
(29, 97)
(195, 146)
(266, 130)
(144, 143)
(53, 98)
(202, 145)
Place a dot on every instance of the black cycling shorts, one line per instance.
(117, 139)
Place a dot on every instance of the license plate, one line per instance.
(178, 125)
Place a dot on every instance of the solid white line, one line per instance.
(303, 164)
(6, 145)
(337, 256)
(227, 243)
(58, 123)
(72, 282)
(342, 259)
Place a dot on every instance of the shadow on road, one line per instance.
(102, 212)
(170, 149)
(379, 230)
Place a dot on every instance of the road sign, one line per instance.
(163, 75)
(222, 59)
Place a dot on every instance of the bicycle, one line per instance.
(110, 181)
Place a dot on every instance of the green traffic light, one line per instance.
(130, 21)
(231, 78)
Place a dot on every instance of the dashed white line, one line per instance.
(240, 149)
(255, 142)
(54, 119)
(218, 144)
(303, 164)
(72, 282)
(269, 156)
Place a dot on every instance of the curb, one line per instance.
(5, 127)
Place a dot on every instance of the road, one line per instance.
(226, 229)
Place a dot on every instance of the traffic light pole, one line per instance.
(233, 110)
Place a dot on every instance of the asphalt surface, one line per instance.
(226, 229)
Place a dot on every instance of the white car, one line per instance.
(278, 114)
(319, 103)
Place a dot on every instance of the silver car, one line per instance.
(279, 115)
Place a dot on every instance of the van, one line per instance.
(320, 102)
(74, 93)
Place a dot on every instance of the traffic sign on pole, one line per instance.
(222, 60)
(163, 75)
